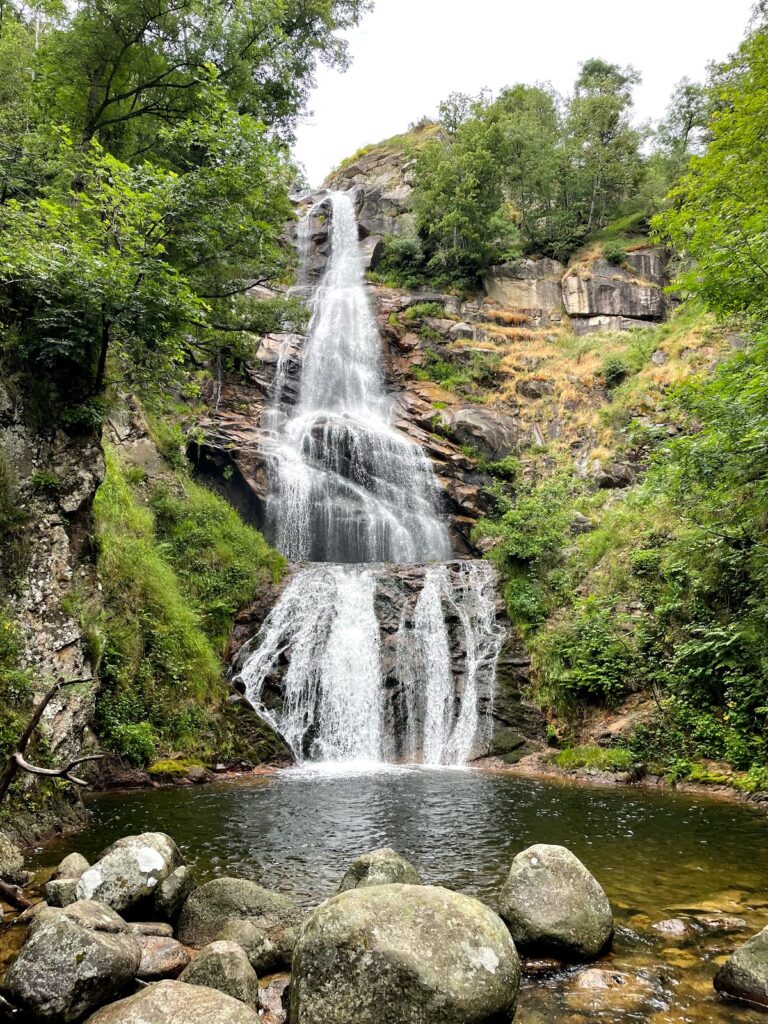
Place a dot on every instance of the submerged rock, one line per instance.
(224, 966)
(600, 990)
(174, 1002)
(65, 969)
(744, 975)
(553, 905)
(129, 870)
(222, 900)
(379, 867)
(403, 954)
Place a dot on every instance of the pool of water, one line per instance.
(656, 854)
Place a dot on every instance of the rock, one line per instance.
(533, 387)
(677, 928)
(612, 475)
(161, 957)
(590, 325)
(274, 1000)
(174, 1002)
(129, 870)
(553, 906)
(372, 249)
(598, 990)
(264, 955)
(380, 867)
(403, 954)
(96, 916)
(221, 900)
(461, 332)
(721, 924)
(60, 892)
(65, 969)
(157, 928)
(744, 976)
(173, 891)
(490, 431)
(224, 966)
(527, 284)
(606, 290)
(648, 263)
(73, 865)
(11, 862)
(659, 358)
(581, 524)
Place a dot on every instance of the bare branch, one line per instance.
(59, 773)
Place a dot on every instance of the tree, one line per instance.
(718, 215)
(602, 149)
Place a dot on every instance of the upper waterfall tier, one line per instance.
(347, 486)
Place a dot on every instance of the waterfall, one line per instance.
(352, 495)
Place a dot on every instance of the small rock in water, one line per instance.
(403, 954)
(602, 991)
(380, 867)
(173, 1002)
(677, 928)
(744, 975)
(224, 966)
(554, 907)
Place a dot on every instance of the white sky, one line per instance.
(410, 54)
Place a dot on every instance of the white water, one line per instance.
(349, 493)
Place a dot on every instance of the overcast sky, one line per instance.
(409, 54)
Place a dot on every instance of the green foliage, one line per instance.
(469, 378)
(615, 253)
(604, 759)
(614, 370)
(174, 768)
(174, 576)
(15, 684)
(13, 521)
(419, 310)
(402, 264)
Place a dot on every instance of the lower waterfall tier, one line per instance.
(358, 663)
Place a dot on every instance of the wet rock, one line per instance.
(157, 928)
(721, 924)
(264, 955)
(161, 957)
(11, 862)
(598, 990)
(174, 1002)
(65, 969)
(221, 900)
(274, 1001)
(677, 928)
(554, 906)
(744, 976)
(224, 966)
(380, 867)
(129, 870)
(173, 891)
(403, 954)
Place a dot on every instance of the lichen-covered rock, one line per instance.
(65, 969)
(221, 900)
(264, 955)
(11, 862)
(161, 957)
(174, 1002)
(157, 928)
(403, 954)
(553, 905)
(224, 966)
(379, 867)
(744, 976)
(96, 916)
(527, 284)
(129, 870)
(73, 866)
(173, 891)
(606, 290)
(61, 889)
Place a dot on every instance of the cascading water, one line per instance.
(352, 494)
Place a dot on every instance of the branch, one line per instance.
(12, 894)
(59, 773)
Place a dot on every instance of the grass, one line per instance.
(605, 759)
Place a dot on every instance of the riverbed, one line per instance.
(658, 855)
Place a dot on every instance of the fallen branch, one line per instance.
(58, 773)
(13, 895)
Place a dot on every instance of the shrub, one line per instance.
(615, 253)
(402, 262)
(614, 370)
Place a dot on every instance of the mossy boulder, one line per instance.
(215, 904)
(379, 867)
(554, 907)
(224, 966)
(403, 954)
(744, 976)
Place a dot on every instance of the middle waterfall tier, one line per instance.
(376, 663)
(346, 486)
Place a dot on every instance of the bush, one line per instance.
(614, 253)
(614, 370)
(402, 262)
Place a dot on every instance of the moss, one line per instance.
(606, 759)
(174, 768)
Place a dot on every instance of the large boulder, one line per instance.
(607, 290)
(527, 284)
(379, 867)
(554, 907)
(224, 966)
(222, 900)
(174, 1002)
(65, 969)
(161, 957)
(744, 976)
(129, 870)
(492, 432)
(264, 955)
(403, 954)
